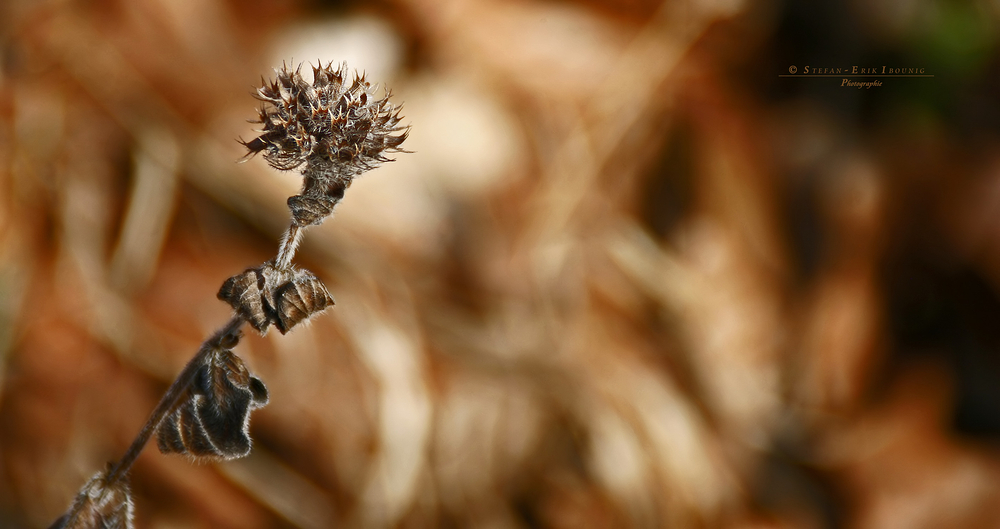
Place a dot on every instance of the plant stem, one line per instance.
(286, 249)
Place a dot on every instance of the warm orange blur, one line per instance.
(628, 276)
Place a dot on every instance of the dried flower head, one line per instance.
(338, 128)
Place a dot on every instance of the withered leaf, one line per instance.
(99, 505)
(266, 295)
(213, 420)
(308, 210)
(243, 293)
(299, 299)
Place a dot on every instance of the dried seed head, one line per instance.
(213, 420)
(99, 504)
(336, 126)
(266, 295)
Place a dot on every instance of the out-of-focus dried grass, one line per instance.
(580, 303)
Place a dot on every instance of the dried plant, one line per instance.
(334, 130)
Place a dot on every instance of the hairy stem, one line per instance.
(289, 243)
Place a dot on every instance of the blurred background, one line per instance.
(629, 276)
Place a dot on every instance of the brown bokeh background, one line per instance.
(629, 277)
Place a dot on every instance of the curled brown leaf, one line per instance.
(213, 419)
